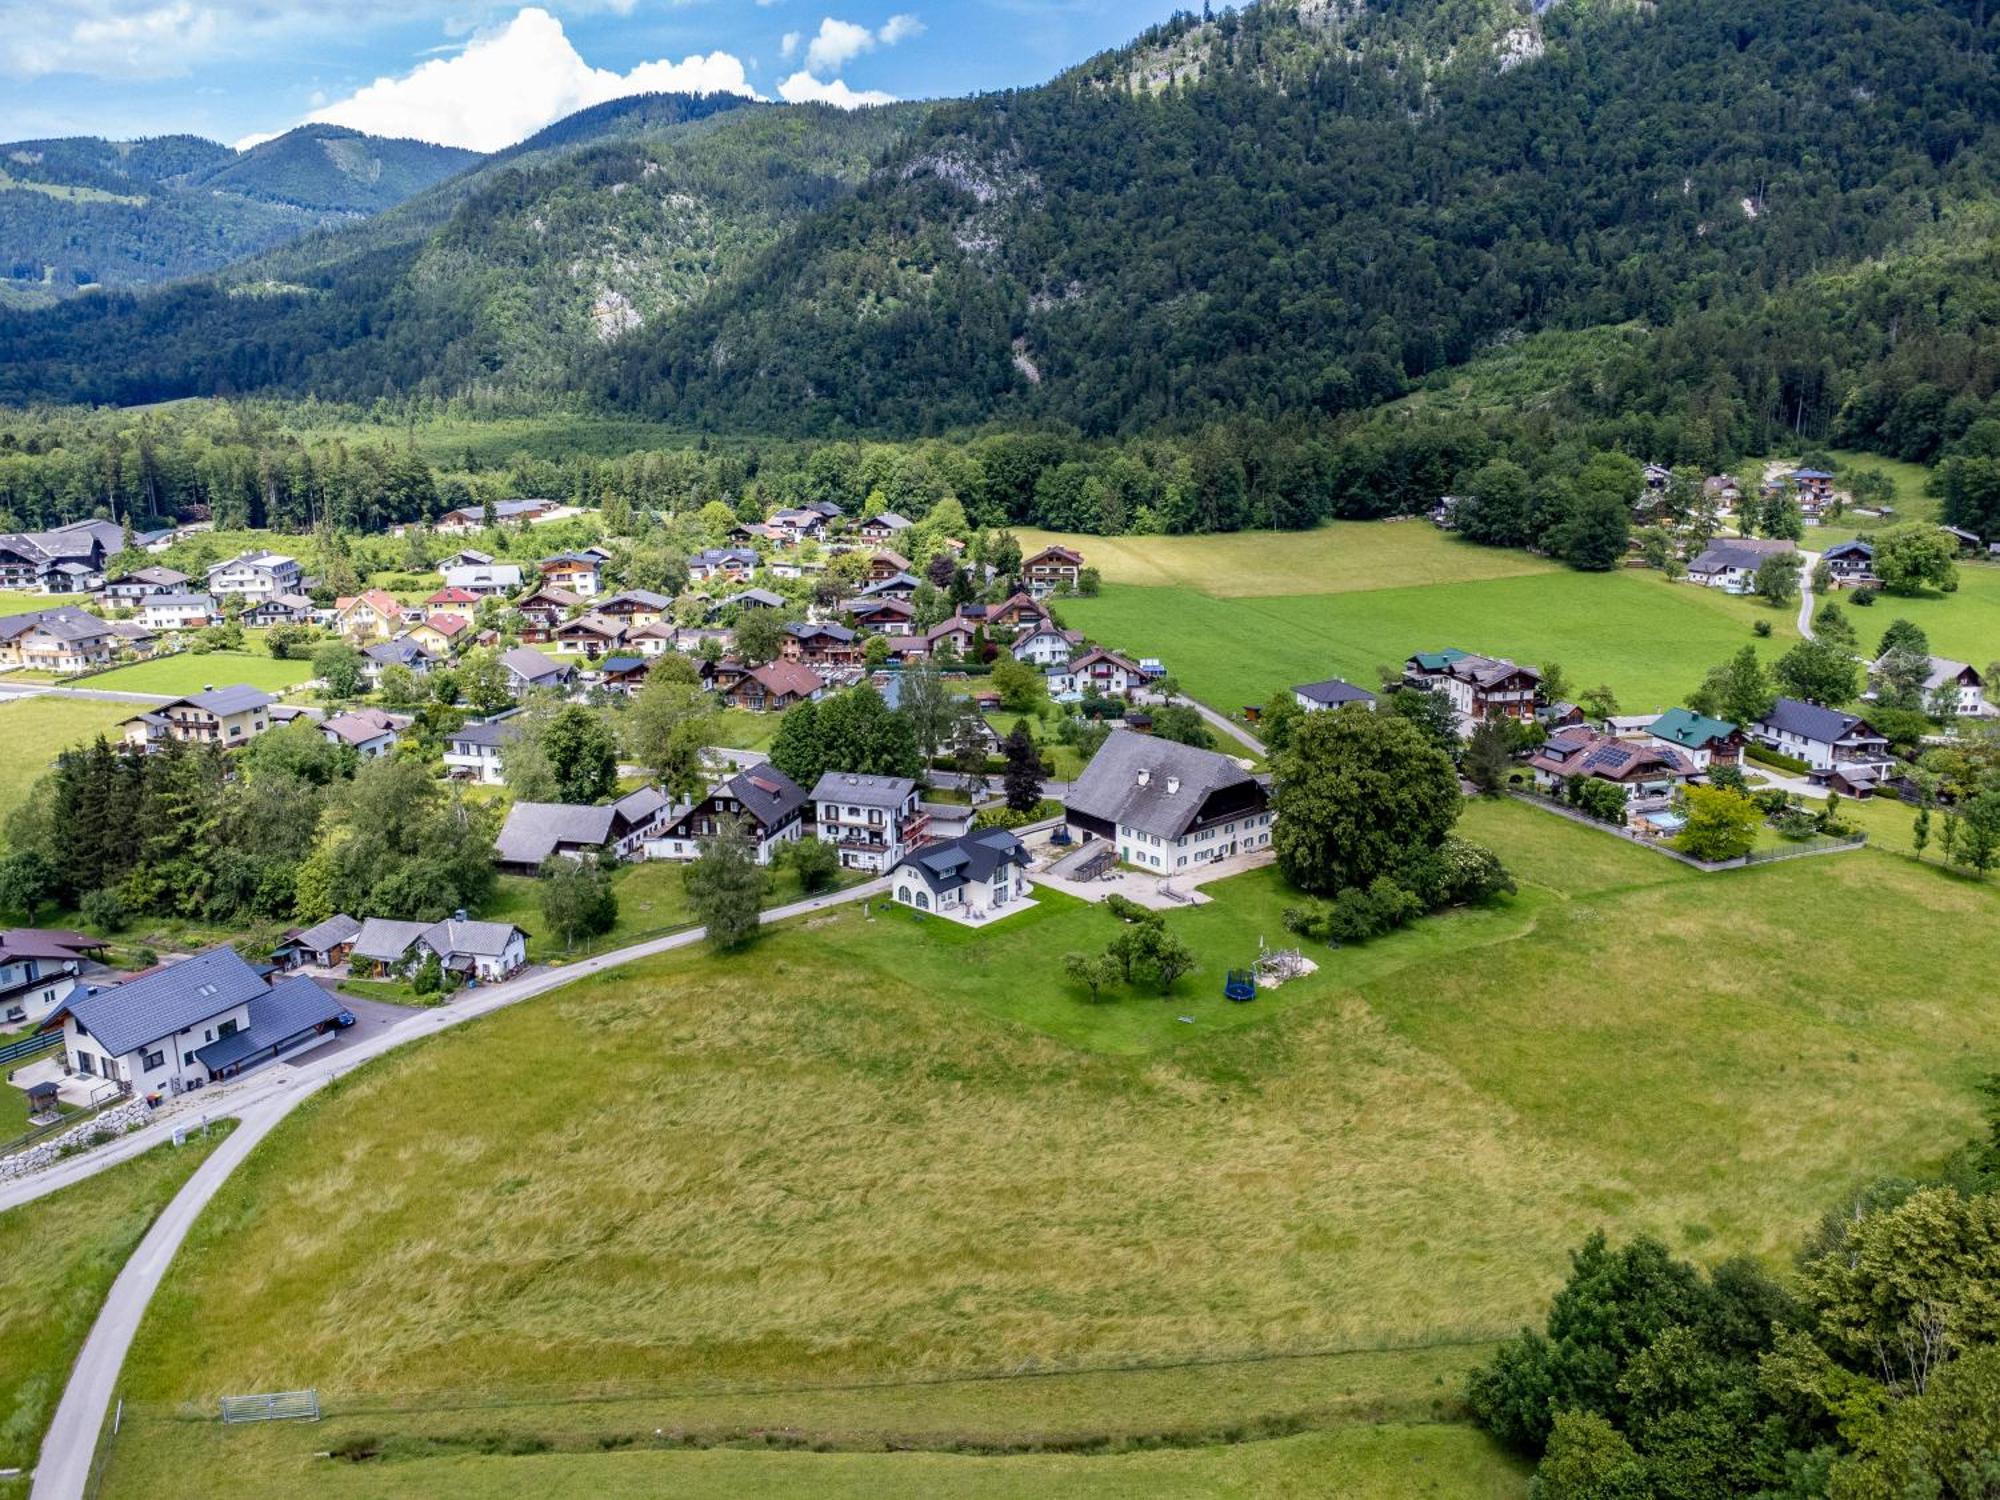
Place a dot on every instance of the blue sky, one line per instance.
(479, 75)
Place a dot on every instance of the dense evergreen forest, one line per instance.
(1202, 282)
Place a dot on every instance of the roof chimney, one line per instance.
(1173, 785)
(1145, 776)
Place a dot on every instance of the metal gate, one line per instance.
(275, 1406)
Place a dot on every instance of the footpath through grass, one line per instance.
(699, 1194)
(58, 1258)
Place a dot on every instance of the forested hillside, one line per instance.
(1292, 215)
(512, 276)
(87, 212)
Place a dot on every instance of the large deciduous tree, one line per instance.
(1359, 794)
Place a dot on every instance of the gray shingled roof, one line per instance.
(971, 859)
(1809, 720)
(223, 701)
(767, 793)
(1333, 692)
(335, 930)
(856, 790)
(1109, 787)
(529, 664)
(451, 937)
(386, 941)
(494, 732)
(289, 1008)
(128, 1016)
(534, 829)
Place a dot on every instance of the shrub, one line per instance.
(1761, 628)
(1863, 596)
(1765, 756)
(104, 910)
(1127, 910)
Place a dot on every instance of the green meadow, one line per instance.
(895, 1190)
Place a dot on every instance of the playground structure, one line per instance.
(1273, 967)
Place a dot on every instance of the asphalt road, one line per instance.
(101, 695)
(64, 1469)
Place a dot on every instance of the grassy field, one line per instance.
(1649, 639)
(816, 1186)
(739, 729)
(58, 1257)
(1964, 625)
(189, 672)
(1334, 558)
(34, 730)
(19, 602)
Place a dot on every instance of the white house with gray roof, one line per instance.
(1821, 737)
(1168, 806)
(183, 1024)
(873, 821)
(254, 576)
(472, 752)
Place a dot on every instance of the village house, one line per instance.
(580, 573)
(458, 601)
(766, 689)
(472, 752)
(1732, 562)
(1106, 672)
(1332, 693)
(872, 821)
(486, 580)
(1015, 612)
(819, 644)
(39, 968)
(1053, 570)
(63, 560)
(592, 635)
(662, 636)
(765, 803)
(536, 831)
(882, 616)
(1850, 563)
(1165, 805)
(1478, 687)
(798, 524)
(734, 564)
(882, 528)
(748, 599)
(404, 651)
(972, 878)
(324, 945)
(214, 716)
(1956, 683)
(134, 587)
(166, 613)
(1814, 489)
(899, 586)
(367, 616)
(543, 610)
(370, 732)
(441, 634)
(1648, 773)
(623, 674)
(1706, 742)
(256, 575)
(63, 639)
(470, 518)
(528, 669)
(279, 609)
(635, 607)
(1824, 738)
(885, 565)
(182, 1025)
(485, 951)
(1042, 644)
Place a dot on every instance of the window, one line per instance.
(152, 1060)
(187, 1059)
(225, 1028)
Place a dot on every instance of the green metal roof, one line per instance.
(1437, 661)
(1687, 728)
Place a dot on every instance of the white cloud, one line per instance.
(900, 29)
(837, 44)
(510, 82)
(108, 40)
(256, 139)
(803, 88)
(788, 45)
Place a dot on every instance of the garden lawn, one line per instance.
(1649, 639)
(873, 1152)
(33, 731)
(190, 672)
(1335, 557)
(739, 729)
(58, 1258)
